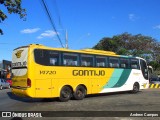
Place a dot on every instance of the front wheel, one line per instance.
(135, 88)
(80, 93)
(1, 87)
(65, 94)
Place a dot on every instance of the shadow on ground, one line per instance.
(26, 99)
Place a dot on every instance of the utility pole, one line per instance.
(66, 39)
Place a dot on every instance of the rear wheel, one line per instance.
(65, 94)
(135, 88)
(80, 93)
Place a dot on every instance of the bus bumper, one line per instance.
(20, 92)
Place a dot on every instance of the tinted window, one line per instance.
(46, 57)
(134, 64)
(87, 60)
(113, 62)
(124, 63)
(144, 69)
(70, 59)
(101, 61)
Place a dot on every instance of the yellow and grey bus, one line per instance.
(44, 72)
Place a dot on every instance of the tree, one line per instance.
(13, 6)
(155, 65)
(128, 44)
(135, 45)
(106, 44)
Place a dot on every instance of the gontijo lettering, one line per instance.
(88, 72)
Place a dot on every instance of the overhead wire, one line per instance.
(51, 21)
(59, 18)
(57, 12)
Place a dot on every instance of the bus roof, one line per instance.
(85, 51)
(99, 51)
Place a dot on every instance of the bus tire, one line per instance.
(1, 87)
(80, 93)
(65, 94)
(135, 88)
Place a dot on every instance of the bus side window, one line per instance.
(113, 62)
(70, 59)
(84, 63)
(87, 60)
(46, 57)
(100, 61)
(53, 61)
(53, 58)
(110, 65)
(134, 64)
(124, 63)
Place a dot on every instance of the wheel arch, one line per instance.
(137, 83)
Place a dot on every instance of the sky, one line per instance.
(86, 22)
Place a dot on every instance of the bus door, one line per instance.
(95, 86)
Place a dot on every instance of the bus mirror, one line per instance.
(150, 69)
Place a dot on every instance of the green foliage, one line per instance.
(135, 45)
(127, 44)
(106, 44)
(155, 65)
(123, 51)
(12, 6)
